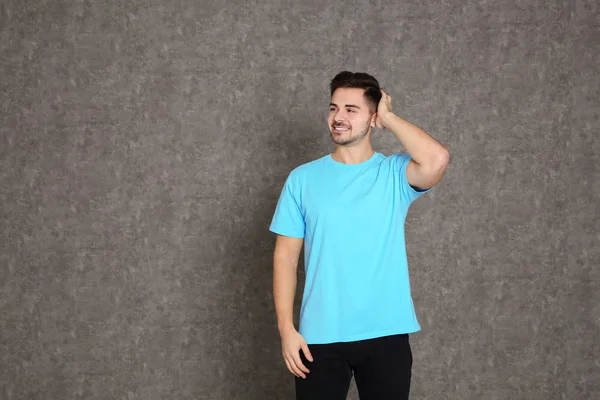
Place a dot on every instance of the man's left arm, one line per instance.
(429, 157)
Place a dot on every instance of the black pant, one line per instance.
(381, 368)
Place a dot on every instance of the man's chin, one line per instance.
(342, 142)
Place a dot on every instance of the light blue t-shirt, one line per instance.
(351, 217)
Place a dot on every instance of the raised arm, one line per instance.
(429, 157)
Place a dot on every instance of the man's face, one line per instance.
(350, 119)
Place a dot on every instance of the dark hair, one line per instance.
(360, 80)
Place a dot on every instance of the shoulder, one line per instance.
(305, 170)
(396, 160)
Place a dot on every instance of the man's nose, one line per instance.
(339, 116)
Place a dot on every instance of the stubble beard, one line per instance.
(353, 139)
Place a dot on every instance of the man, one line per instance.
(348, 209)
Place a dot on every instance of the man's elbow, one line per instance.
(443, 158)
(437, 168)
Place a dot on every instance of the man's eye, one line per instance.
(350, 110)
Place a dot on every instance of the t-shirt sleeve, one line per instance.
(408, 192)
(288, 219)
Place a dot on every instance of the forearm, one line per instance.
(284, 290)
(424, 149)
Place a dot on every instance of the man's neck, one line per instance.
(353, 154)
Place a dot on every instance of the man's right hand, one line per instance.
(291, 344)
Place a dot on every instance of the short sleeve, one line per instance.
(288, 219)
(408, 192)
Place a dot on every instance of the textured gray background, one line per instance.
(143, 145)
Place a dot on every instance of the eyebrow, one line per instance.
(347, 105)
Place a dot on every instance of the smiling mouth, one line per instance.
(341, 128)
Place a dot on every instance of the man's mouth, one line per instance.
(341, 128)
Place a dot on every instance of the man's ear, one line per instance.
(373, 122)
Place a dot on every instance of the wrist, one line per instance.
(285, 328)
(387, 118)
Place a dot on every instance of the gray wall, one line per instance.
(143, 145)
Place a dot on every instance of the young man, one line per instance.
(348, 209)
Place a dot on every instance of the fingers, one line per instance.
(294, 362)
(290, 368)
(299, 363)
(306, 352)
(291, 346)
(295, 366)
(387, 99)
